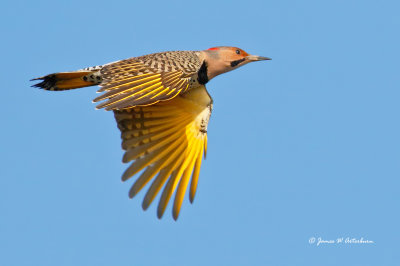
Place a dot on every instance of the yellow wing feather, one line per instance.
(132, 83)
(167, 141)
(183, 183)
(195, 176)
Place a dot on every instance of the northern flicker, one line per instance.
(162, 108)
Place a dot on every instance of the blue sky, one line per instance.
(306, 145)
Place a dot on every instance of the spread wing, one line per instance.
(147, 79)
(166, 140)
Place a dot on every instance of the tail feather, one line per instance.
(68, 80)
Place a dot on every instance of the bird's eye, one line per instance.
(237, 51)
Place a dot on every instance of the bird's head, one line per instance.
(224, 58)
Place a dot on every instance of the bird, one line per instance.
(162, 108)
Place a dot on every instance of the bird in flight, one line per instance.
(162, 108)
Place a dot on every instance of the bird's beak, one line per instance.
(253, 58)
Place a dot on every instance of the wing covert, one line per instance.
(147, 79)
